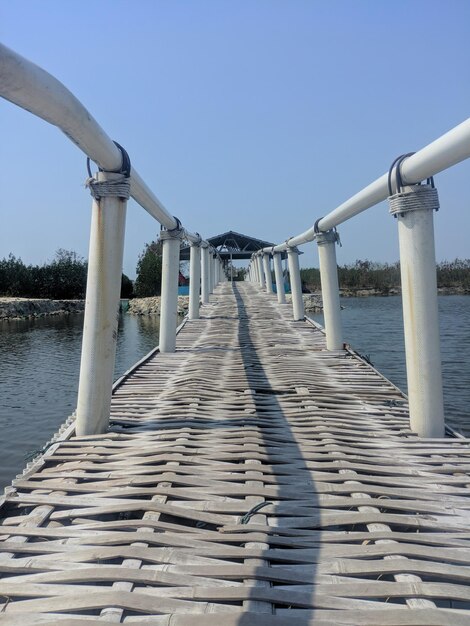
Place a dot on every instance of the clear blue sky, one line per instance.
(253, 115)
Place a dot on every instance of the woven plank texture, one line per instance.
(251, 478)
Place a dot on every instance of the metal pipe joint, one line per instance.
(327, 236)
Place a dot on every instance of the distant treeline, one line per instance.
(384, 276)
(64, 278)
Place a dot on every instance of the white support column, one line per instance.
(421, 321)
(101, 311)
(330, 289)
(295, 284)
(205, 289)
(281, 292)
(169, 299)
(211, 272)
(194, 280)
(267, 272)
(259, 265)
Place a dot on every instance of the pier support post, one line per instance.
(194, 280)
(211, 272)
(259, 265)
(295, 284)
(420, 317)
(205, 290)
(171, 240)
(101, 310)
(330, 288)
(267, 272)
(280, 290)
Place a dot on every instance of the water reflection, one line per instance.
(40, 361)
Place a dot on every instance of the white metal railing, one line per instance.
(32, 88)
(413, 207)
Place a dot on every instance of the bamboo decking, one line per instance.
(251, 478)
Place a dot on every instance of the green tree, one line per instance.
(66, 276)
(149, 271)
(127, 287)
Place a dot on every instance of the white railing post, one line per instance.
(101, 311)
(295, 284)
(421, 321)
(330, 288)
(211, 272)
(281, 292)
(205, 289)
(267, 272)
(194, 280)
(259, 265)
(171, 240)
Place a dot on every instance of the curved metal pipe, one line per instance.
(446, 151)
(32, 88)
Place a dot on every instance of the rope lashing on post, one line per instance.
(416, 197)
(118, 188)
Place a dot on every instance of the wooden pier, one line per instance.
(251, 478)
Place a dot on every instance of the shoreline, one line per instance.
(396, 291)
(13, 309)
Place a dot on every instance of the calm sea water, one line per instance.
(374, 327)
(40, 363)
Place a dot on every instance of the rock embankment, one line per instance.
(25, 308)
(312, 302)
(151, 306)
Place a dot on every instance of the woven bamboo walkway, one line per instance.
(156, 522)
